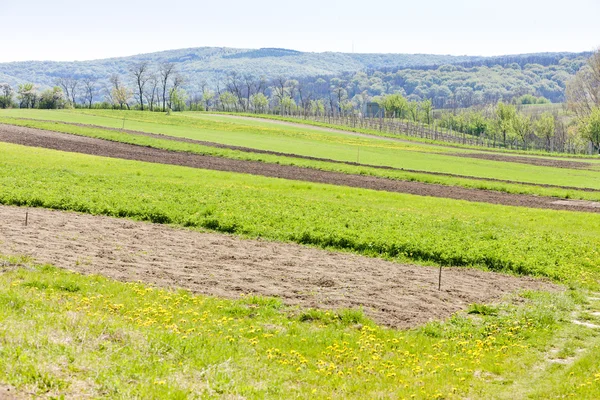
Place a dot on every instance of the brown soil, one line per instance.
(276, 153)
(541, 162)
(85, 145)
(10, 393)
(393, 294)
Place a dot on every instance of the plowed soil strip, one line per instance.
(394, 294)
(85, 145)
(276, 153)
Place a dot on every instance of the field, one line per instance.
(260, 259)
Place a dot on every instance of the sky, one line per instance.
(68, 30)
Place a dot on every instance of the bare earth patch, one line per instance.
(10, 393)
(393, 294)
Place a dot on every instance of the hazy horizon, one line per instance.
(68, 30)
(315, 52)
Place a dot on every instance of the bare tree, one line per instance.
(305, 96)
(166, 70)
(234, 86)
(141, 74)
(261, 85)
(89, 88)
(69, 86)
(152, 93)
(583, 90)
(250, 88)
(280, 90)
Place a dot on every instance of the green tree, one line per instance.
(52, 99)
(178, 99)
(228, 100)
(427, 108)
(505, 114)
(521, 124)
(6, 95)
(259, 102)
(395, 105)
(544, 128)
(413, 110)
(27, 95)
(590, 128)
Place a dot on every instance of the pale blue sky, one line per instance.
(76, 30)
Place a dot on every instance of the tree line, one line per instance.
(161, 87)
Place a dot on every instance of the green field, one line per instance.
(125, 137)
(63, 334)
(310, 142)
(562, 245)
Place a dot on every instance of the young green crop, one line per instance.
(560, 245)
(310, 142)
(125, 137)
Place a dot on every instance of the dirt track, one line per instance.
(85, 145)
(394, 294)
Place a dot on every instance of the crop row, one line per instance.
(560, 245)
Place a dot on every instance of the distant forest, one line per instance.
(447, 81)
(462, 85)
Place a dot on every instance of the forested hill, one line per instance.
(420, 75)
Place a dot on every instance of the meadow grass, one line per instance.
(558, 244)
(65, 334)
(414, 139)
(165, 144)
(309, 142)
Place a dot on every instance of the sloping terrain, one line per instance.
(394, 294)
(85, 145)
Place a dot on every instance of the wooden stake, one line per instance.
(26, 217)
(440, 279)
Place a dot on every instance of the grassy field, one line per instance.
(406, 138)
(561, 245)
(308, 142)
(66, 334)
(63, 334)
(125, 137)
